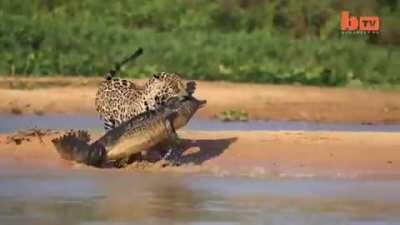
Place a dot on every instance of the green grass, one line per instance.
(233, 115)
(193, 38)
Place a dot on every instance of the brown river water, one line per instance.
(46, 196)
(86, 196)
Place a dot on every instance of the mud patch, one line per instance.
(26, 135)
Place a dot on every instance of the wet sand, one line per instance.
(268, 102)
(253, 153)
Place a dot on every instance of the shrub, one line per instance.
(245, 41)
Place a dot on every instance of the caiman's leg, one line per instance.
(164, 147)
(124, 162)
(121, 163)
(176, 139)
(173, 143)
(96, 156)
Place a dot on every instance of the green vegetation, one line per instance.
(270, 41)
(233, 115)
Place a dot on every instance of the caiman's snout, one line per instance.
(202, 103)
(194, 102)
(187, 108)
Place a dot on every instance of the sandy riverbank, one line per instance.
(76, 95)
(254, 154)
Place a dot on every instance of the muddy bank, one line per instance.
(270, 102)
(254, 154)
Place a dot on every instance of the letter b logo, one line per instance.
(347, 22)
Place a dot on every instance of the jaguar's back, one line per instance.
(111, 96)
(118, 100)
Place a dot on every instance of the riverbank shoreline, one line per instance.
(257, 154)
(73, 95)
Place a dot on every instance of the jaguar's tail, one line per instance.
(110, 74)
(74, 146)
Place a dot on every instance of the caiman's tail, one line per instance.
(75, 146)
(110, 74)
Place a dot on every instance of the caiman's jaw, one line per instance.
(197, 102)
(202, 103)
(186, 109)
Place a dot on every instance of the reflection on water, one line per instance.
(124, 197)
(10, 123)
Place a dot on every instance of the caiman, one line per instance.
(138, 134)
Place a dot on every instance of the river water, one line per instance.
(115, 197)
(87, 196)
(9, 123)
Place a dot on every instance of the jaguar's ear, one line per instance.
(190, 87)
(157, 76)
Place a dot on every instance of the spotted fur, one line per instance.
(118, 100)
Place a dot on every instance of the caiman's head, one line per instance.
(184, 109)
